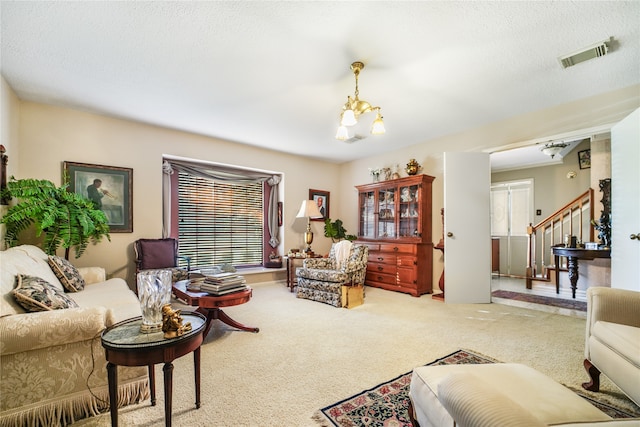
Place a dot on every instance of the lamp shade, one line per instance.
(309, 209)
(348, 118)
(342, 133)
(378, 126)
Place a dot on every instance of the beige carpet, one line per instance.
(308, 355)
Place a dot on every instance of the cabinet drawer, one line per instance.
(372, 246)
(407, 276)
(383, 257)
(406, 261)
(377, 267)
(389, 279)
(405, 248)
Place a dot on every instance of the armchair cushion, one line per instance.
(68, 275)
(624, 338)
(324, 275)
(36, 294)
(156, 253)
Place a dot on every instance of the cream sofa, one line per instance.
(52, 365)
(498, 394)
(612, 344)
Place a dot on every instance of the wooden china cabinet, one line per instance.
(395, 223)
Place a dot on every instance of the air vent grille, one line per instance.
(355, 138)
(595, 51)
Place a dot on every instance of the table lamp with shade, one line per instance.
(308, 209)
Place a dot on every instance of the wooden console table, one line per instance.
(573, 255)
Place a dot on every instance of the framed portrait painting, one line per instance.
(322, 200)
(584, 159)
(110, 188)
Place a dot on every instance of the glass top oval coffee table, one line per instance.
(125, 345)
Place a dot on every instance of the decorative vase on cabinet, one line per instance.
(395, 223)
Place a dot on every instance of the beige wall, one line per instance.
(9, 119)
(608, 108)
(49, 135)
(552, 188)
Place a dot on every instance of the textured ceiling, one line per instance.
(275, 74)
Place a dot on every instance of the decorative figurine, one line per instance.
(604, 225)
(395, 174)
(172, 322)
(387, 173)
(413, 167)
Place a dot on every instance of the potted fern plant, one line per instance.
(336, 231)
(66, 219)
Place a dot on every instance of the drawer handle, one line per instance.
(380, 268)
(380, 258)
(379, 278)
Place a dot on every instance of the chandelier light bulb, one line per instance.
(348, 118)
(342, 134)
(377, 128)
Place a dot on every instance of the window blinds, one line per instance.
(220, 222)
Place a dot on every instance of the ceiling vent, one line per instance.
(355, 138)
(594, 51)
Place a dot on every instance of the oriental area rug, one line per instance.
(387, 404)
(539, 299)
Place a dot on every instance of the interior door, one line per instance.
(467, 228)
(625, 203)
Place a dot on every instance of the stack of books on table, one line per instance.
(223, 283)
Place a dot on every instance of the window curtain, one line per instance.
(225, 174)
(167, 171)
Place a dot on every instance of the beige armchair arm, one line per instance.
(611, 305)
(31, 331)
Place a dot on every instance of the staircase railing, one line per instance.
(569, 219)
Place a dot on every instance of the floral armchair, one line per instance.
(320, 279)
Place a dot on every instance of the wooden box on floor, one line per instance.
(352, 296)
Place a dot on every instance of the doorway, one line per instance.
(511, 213)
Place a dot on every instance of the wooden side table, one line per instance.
(211, 305)
(292, 263)
(125, 345)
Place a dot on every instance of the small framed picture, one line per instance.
(110, 188)
(322, 199)
(584, 159)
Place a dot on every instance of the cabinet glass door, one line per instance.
(386, 212)
(409, 211)
(367, 214)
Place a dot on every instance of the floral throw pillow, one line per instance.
(36, 294)
(67, 274)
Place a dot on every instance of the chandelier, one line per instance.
(354, 107)
(553, 148)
